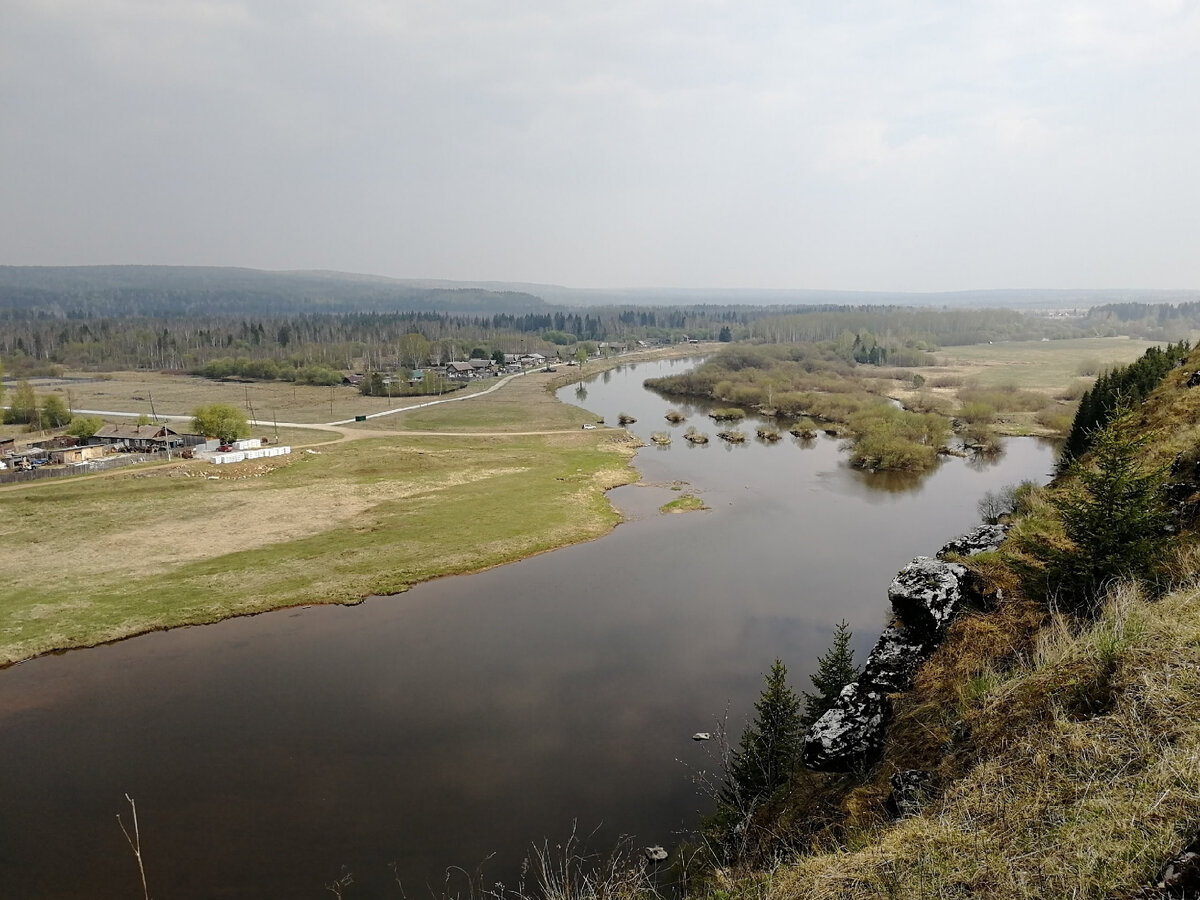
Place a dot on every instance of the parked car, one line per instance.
(588, 426)
(225, 448)
(38, 463)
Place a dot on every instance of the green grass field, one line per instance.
(96, 559)
(1040, 365)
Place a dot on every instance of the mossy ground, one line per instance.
(683, 503)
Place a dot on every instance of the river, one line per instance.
(457, 723)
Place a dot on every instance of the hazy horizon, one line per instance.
(914, 148)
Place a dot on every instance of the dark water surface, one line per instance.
(472, 715)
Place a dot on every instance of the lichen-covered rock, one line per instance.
(909, 789)
(926, 594)
(981, 540)
(893, 661)
(850, 735)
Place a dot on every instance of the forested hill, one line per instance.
(89, 292)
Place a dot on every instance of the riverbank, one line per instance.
(450, 489)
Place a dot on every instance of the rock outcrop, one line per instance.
(925, 595)
(909, 788)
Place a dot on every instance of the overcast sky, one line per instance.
(610, 143)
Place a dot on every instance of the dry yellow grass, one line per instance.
(1064, 802)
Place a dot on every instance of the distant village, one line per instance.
(120, 444)
(499, 363)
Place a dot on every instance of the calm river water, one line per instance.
(471, 716)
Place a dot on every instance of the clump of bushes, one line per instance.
(981, 438)
(727, 414)
(977, 412)
(885, 437)
(695, 437)
(768, 433)
(733, 437)
(674, 416)
(661, 438)
(625, 419)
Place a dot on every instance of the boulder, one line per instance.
(893, 661)
(981, 540)
(909, 789)
(850, 735)
(926, 594)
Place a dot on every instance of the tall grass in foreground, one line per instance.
(1088, 761)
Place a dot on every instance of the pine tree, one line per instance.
(1114, 514)
(835, 670)
(769, 748)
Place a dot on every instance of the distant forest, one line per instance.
(173, 318)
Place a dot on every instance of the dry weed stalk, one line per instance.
(135, 843)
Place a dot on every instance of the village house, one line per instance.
(139, 437)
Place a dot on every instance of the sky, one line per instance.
(900, 146)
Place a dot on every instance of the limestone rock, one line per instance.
(926, 594)
(850, 734)
(909, 788)
(981, 540)
(893, 661)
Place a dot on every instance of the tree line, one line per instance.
(1120, 388)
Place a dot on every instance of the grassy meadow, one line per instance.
(361, 511)
(91, 560)
(1038, 365)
